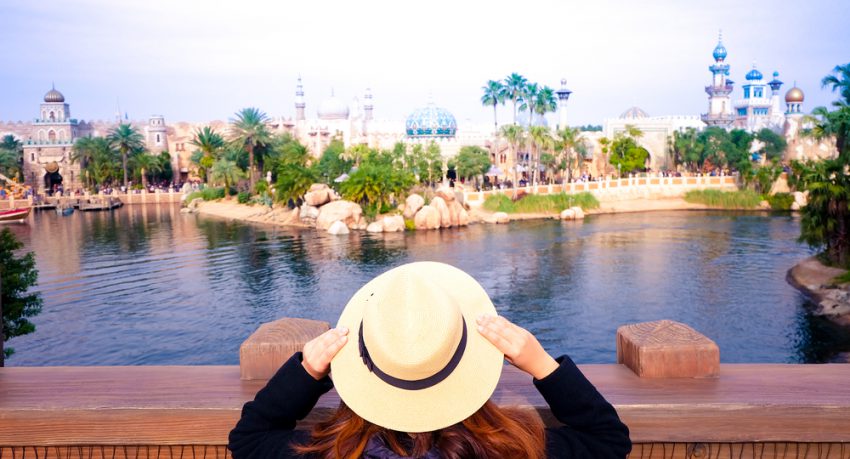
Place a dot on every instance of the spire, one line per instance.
(299, 100)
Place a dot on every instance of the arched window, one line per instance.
(52, 116)
(157, 139)
(51, 136)
(62, 135)
(41, 137)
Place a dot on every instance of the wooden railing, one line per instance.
(171, 412)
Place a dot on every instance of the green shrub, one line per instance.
(781, 201)
(409, 224)
(211, 194)
(742, 199)
(243, 197)
(191, 196)
(261, 187)
(535, 203)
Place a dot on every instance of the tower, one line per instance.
(157, 137)
(367, 105)
(47, 153)
(563, 97)
(299, 101)
(775, 111)
(794, 102)
(719, 103)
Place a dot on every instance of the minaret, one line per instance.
(563, 97)
(719, 102)
(299, 101)
(775, 84)
(367, 105)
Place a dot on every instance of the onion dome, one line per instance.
(719, 52)
(333, 109)
(634, 113)
(794, 95)
(431, 121)
(54, 96)
(754, 75)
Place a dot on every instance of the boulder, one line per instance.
(462, 217)
(447, 193)
(412, 205)
(764, 205)
(445, 216)
(318, 195)
(308, 212)
(338, 227)
(800, 199)
(795, 206)
(348, 212)
(579, 213)
(393, 223)
(501, 217)
(568, 214)
(427, 218)
(375, 227)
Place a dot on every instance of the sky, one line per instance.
(204, 60)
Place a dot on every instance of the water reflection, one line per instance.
(149, 285)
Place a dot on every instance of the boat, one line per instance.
(65, 211)
(91, 204)
(15, 214)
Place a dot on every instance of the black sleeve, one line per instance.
(591, 428)
(266, 428)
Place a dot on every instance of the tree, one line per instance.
(210, 144)
(626, 154)
(227, 173)
(833, 124)
(128, 140)
(472, 161)
(528, 97)
(146, 164)
(567, 143)
(825, 222)
(99, 161)
(249, 132)
(687, 149)
(17, 275)
(11, 156)
(494, 94)
(840, 82)
(546, 101)
(374, 184)
(774, 144)
(331, 164)
(540, 140)
(514, 87)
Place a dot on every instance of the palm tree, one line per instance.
(546, 101)
(249, 131)
(210, 144)
(147, 164)
(513, 88)
(494, 94)
(126, 139)
(515, 135)
(83, 152)
(227, 172)
(567, 141)
(541, 140)
(529, 101)
(832, 124)
(840, 82)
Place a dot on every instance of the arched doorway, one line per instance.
(52, 177)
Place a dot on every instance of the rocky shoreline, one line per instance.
(817, 281)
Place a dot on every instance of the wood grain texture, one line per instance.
(667, 349)
(41, 406)
(274, 343)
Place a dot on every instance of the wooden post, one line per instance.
(273, 343)
(667, 349)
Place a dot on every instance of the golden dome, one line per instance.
(794, 95)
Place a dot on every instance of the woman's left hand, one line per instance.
(319, 351)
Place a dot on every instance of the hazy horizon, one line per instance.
(202, 61)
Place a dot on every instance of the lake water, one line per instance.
(149, 285)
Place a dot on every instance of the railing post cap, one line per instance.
(667, 349)
(273, 343)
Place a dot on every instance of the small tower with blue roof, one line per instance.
(719, 102)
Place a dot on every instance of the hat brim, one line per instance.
(448, 402)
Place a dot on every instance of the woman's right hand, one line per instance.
(520, 347)
(318, 352)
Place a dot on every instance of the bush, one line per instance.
(743, 199)
(534, 203)
(211, 194)
(191, 196)
(781, 201)
(409, 224)
(243, 197)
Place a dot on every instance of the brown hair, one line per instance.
(491, 432)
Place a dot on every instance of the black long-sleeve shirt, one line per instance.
(591, 427)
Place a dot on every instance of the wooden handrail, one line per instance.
(198, 405)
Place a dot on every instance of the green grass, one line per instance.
(781, 201)
(207, 194)
(743, 199)
(535, 203)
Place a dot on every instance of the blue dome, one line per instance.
(719, 52)
(754, 75)
(431, 121)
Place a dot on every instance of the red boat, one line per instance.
(14, 214)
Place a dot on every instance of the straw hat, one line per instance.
(414, 360)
